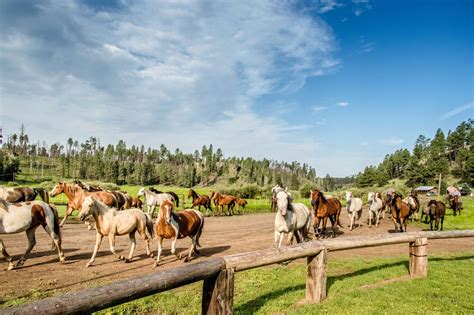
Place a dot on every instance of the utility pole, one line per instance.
(439, 185)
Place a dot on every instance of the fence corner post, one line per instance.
(316, 277)
(218, 293)
(418, 264)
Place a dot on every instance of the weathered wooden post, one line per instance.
(218, 293)
(418, 264)
(316, 277)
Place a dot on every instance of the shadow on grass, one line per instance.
(256, 304)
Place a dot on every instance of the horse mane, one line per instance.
(156, 191)
(4, 204)
(432, 201)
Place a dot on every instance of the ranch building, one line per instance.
(430, 190)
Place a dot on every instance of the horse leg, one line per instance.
(5, 254)
(333, 225)
(442, 219)
(289, 238)
(98, 240)
(160, 248)
(56, 242)
(173, 247)
(112, 246)
(192, 249)
(68, 213)
(431, 224)
(133, 243)
(143, 234)
(30, 234)
(377, 219)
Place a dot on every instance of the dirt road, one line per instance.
(222, 236)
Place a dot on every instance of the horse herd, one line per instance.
(118, 213)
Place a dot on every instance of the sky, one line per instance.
(335, 84)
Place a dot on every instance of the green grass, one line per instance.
(354, 286)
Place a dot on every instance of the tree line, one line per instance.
(446, 155)
(137, 165)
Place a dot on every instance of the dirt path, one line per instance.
(221, 236)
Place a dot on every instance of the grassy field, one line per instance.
(354, 286)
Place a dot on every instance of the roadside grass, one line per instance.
(361, 286)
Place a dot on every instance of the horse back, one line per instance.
(189, 222)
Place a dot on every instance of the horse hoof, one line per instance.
(88, 265)
(151, 255)
(121, 257)
(186, 259)
(155, 264)
(11, 266)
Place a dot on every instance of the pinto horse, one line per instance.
(400, 211)
(175, 225)
(224, 200)
(27, 216)
(437, 210)
(199, 201)
(110, 222)
(22, 194)
(324, 208)
(76, 196)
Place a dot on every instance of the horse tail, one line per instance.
(150, 229)
(56, 223)
(42, 193)
(338, 213)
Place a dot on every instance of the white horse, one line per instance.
(354, 208)
(291, 218)
(375, 207)
(26, 217)
(153, 199)
(110, 222)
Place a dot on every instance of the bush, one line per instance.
(305, 190)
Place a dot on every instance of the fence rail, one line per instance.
(218, 274)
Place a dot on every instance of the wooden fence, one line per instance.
(218, 274)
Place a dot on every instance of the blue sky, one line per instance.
(336, 84)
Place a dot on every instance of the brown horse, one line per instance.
(22, 194)
(324, 208)
(416, 207)
(437, 210)
(26, 217)
(241, 203)
(224, 200)
(455, 203)
(136, 202)
(175, 225)
(400, 211)
(76, 196)
(199, 201)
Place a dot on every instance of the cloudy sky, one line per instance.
(337, 84)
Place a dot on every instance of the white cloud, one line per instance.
(179, 73)
(343, 104)
(457, 111)
(318, 109)
(328, 5)
(392, 141)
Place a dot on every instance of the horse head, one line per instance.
(166, 208)
(283, 202)
(433, 206)
(86, 208)
(348, 195)
(57, 189)
(141, 192)
(191, 193)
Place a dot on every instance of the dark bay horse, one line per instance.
(324, 208)
(437, 210)
(22, 194)
(241, 203)
(175, 196)
(175, 225)
(224, 200)
(76, 196)
(455, 203)
(199, 201)
(400, 211)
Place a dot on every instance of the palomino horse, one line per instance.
(354, 208)
(400, 211)
(110, 222)
(224, 200)
(27, 216)
(153, 199)
(437, 210)
(22, 194)
(76, 196)
(174, 225)
(199, 201)
(413, 205)
(291, 218)
(241, 203)
(375, 208)
(455, 203)
(175, 196)
(324, 208)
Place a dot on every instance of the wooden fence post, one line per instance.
(418, 264)
(316, 277)
(218, 293)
